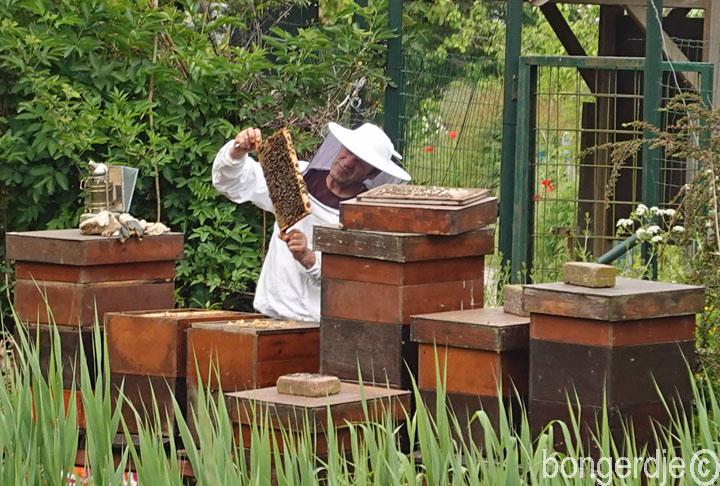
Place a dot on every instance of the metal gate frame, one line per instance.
(521, 227)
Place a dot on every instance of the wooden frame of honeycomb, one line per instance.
(285, 183)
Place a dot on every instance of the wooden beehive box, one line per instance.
(419, 209)
(402, 247)
(155, 342)
(483, 355)
(147, 351)
(373, 282)
(81, 273)
(611, 346)
(250, 353)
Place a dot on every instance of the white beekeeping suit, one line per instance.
(285, 288)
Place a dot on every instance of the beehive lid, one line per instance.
(422, 195)
(346, 406)
(490, 329)
(253, 325)
(70, 247)
(629, 299)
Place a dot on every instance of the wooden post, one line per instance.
(711, 36)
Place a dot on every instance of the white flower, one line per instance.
(654, 210)
(641, 232)
(668, 212)
(656, 239)
(653, 230)
(708, 224)
(678, 229)
(624, 222)
(641, 209)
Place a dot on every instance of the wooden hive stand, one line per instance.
(288, 412)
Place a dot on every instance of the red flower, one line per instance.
(428, 149)
(537, 196)
(452, 134)
(550, 188)
(546, 183)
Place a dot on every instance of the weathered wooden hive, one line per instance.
(402, 250)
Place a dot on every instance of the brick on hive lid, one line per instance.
(308, 385)
(587, 274)
(513, 300)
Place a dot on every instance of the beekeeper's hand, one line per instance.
(298, 245)
(245, 142)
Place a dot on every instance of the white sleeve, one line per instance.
(240, 180)
(314, 271)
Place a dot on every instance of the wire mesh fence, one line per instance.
(575, 112)
(707, 51)
(451, 120)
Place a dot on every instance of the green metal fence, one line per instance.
(567, 108)
(451, 120)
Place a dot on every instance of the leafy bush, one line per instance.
(161, 89)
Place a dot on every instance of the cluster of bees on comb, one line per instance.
(286, 185)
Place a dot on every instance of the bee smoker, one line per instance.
(108, 188)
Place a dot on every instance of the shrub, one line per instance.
(161, 89)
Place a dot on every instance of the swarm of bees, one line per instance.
(286, 185)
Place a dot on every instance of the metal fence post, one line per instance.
(651, 115)
(394, 72)
(524, 177)
(513, 36)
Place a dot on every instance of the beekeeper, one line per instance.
(348, 162)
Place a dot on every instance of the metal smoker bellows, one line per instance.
(108, 188)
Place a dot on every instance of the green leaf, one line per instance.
(62, 180)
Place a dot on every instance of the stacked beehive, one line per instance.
(482, 355)
(612, 342)
(72, 280)
(147, 351)
(401, 252)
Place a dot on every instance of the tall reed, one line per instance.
(39, 438)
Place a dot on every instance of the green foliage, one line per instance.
(444, 26)
(161, 89)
